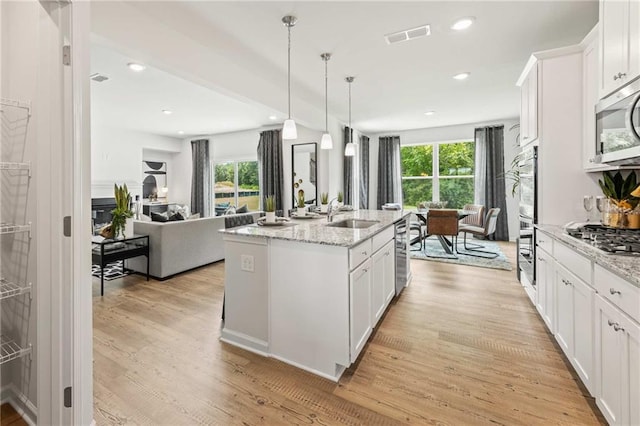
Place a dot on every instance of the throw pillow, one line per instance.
(230, 210)
(194, 216)
(243, 209)
(145, 218)
(175, 217)
(159, 217)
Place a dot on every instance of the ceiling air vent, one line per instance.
(410, 34)
(98, 77)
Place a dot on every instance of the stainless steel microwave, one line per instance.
(618, 126)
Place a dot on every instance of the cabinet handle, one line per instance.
(619, 76)
(566, 282)
(364, 252)
(540, 259)
(614, 291)
(616, 327)
(386, 254)
(541, 241)
(365, 269)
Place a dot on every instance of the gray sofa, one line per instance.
(179, 246)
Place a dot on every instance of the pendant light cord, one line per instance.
(289, 70)
(349, 134)
(326, 98)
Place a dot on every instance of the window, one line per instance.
(236, 182)
(438, 172)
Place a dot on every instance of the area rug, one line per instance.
(111, 272)
(434, 248)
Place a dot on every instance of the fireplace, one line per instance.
(101, 212)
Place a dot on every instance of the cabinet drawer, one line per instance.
(359, 253)
(577, 264)
(544, 241)
(381, 238)
(619, 292)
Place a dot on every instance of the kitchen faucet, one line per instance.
(330, 211)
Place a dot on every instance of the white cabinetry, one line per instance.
(529, 106)
(617, 349)
(359, 308)
(382, 288)
(590, 97)
(619, 44)
(545, 278)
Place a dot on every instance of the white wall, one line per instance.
(462, 132)
(117, 155)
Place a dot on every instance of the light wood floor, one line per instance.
(461, 345)
(10, 417)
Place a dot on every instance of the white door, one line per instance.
(359, 307)
(564, 310)
(377, 285)
(609, 367)
(389, 271)
(544, 287)
(583, 345)
(614, 42)
(532, 101)
(630, 332)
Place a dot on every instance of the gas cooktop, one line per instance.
(610, 240)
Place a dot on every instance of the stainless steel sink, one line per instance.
(353, 223)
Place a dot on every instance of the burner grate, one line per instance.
(611, 240)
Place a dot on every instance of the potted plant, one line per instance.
(622, 202)
(122, 212)
(301, 207)
(340, 199)
(324, 202)
(270, 208)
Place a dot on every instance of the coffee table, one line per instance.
(106, 250)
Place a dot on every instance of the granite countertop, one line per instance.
(625, 266)
(316, 230)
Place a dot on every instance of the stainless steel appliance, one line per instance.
(618, 126)
(610, 240)
(402, 258)
(528, 175)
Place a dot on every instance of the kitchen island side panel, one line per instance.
(309, 305)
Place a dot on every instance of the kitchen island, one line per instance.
(309, 292)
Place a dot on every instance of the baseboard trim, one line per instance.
(333, 378)
(245, 342)
(11, 395)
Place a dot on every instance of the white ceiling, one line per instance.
(239, 49)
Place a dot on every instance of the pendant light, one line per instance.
(289, 130)
(326, 142)
(350, 148)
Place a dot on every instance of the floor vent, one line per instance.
(407, 35)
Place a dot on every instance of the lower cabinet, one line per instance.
(382, 280)
(617, 353)
(545, 287)
(574, 307)
(360, 319)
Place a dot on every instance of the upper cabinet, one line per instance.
(529, 105)
(619, 44)
(590, 98)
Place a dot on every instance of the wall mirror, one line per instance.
(303, 164)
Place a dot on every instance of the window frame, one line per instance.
(435, 166)
(235, 162)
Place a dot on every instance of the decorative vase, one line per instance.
(340, 204)
(301, 211)
(633, 220)
(270, 217)
(128, 228)
(324, 208)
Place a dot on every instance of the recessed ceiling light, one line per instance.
(462, 76)
(429, 113)
(166, 111)
(180, 132)
(273, 117)
(463, 23)
(136, 67)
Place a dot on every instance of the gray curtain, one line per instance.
(364, 172)
(489, 175)
(201, 178)
(347, 183)
(271, 166)
(389, 171)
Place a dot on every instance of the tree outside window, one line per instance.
(438, 172)
(236, 182)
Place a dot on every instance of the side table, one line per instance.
(105, 251)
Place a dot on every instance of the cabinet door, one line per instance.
(389, 271)
(609, 366)
(545, 288)
(630, 332)
(360, 307)
(614, 56)
(378, 285)
(532, 100)
(564, 310)
(583, 346)
(590, 99)
(524, 113)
